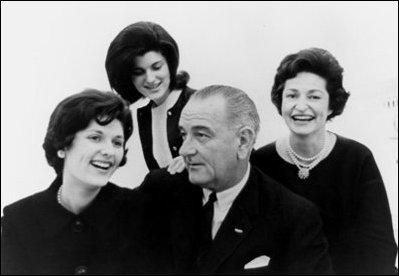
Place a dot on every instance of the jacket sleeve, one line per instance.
(159, 184)
(156, 184)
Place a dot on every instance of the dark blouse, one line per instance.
(111, 236)
(174, 138)
(349, 191)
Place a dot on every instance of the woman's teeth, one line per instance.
(151, 87)
(302, 117)
(102, 164)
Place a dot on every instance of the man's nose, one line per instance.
(187, 148)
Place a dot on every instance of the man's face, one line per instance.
(209, 146)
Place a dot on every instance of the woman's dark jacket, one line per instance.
(114, 235)
(144, 120)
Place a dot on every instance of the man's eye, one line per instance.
(202, 135)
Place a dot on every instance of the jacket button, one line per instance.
(81, 270)
(170, 113)
(77, 226)
(174, 148)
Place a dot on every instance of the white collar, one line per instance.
(170, 101)
(226, 197)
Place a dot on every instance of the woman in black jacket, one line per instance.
(142, 61)
(82, 224)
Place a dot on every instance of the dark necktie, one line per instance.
(206, 227)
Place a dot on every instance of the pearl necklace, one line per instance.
(307, 159)
(304, 169)
(59, 196)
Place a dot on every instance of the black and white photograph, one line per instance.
(178, 137)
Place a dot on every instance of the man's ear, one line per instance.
(246, 137)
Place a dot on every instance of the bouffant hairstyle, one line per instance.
(75, 113)
(136, 40)
(317, 61)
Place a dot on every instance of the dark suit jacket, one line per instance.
(144, 121)
(265, 219)
(112, 236)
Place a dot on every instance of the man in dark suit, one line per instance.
(226, 217)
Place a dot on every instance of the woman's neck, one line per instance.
(75, 196)
(161, 101)
(308, 145)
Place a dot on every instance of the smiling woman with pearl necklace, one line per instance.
(338, 174)
(82, 223)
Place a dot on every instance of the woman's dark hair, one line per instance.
(317, 61)
(75, 113)
(136, 40)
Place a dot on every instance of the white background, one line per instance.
(51, 50)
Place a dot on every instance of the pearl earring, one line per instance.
(61, 154)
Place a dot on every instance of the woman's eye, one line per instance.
(137, 72)
(118, 144)
(95, 138)
(157, 67)
(290, 96)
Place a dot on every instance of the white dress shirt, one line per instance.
(224, 201)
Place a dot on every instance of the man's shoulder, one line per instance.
(266, 150)
(162, 182)
(275, 196)
(189, 91)
(162, 175)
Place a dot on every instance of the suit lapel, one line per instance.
(235, 228)
(232, 232)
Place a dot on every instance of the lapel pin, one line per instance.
(238, 231)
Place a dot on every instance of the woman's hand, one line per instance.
(177, 165)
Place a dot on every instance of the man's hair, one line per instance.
(240, 109)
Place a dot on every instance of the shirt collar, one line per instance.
(226, 197)
(170, 101)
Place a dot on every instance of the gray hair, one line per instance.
(241, 110)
